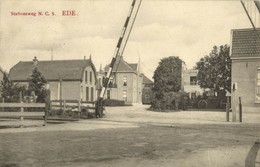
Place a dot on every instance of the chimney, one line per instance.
(100, 69)
(35, 61)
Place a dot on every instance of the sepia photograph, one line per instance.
(129, 83)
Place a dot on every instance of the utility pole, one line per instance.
(250, 17)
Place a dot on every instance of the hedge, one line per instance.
(113, 102)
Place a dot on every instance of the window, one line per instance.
(193, 95)
(87, 93)
(92, 94)
(124, 95)
(193, 80)
(108, 94)
(86, 76)
(257, 97)
(125, 81)
(90, 76)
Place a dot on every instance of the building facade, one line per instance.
(125, 83)
(67, 79)
(245, 56)
(190, 83)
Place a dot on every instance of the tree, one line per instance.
(10, 91)
(167, 76)
(167, 82)
(215, 69)
(36, 85)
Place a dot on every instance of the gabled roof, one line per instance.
(70, 70)
(146, 80)
(133, 66)
(122, 66)
(245, 43)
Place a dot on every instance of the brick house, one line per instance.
(245, 56)
(67, 79)
(125, 83)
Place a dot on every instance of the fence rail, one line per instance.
(24, 105)
(72, 103)
(8, 114)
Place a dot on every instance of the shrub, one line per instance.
(113, 102)
(170, 101)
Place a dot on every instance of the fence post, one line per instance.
(64, 106)
(240, 110)
(234, 106)
(79, 107)
(47, 107)
(22, 109)
(61, 105)
(227, 109)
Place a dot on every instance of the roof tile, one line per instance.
(245, 43)
(122, 66)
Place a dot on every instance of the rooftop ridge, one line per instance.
(59, 60)
(245, 29)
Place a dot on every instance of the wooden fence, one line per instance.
(22, 114)
(11, 110)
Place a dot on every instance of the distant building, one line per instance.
(67, 79)
(190, 83)
(100, 77)
(125, 83)
(245, 56)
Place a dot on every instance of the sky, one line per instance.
(163, 28)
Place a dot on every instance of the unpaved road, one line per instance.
(133, 136)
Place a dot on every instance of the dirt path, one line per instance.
(132, 137)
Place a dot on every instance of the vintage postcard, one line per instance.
(129, 83)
